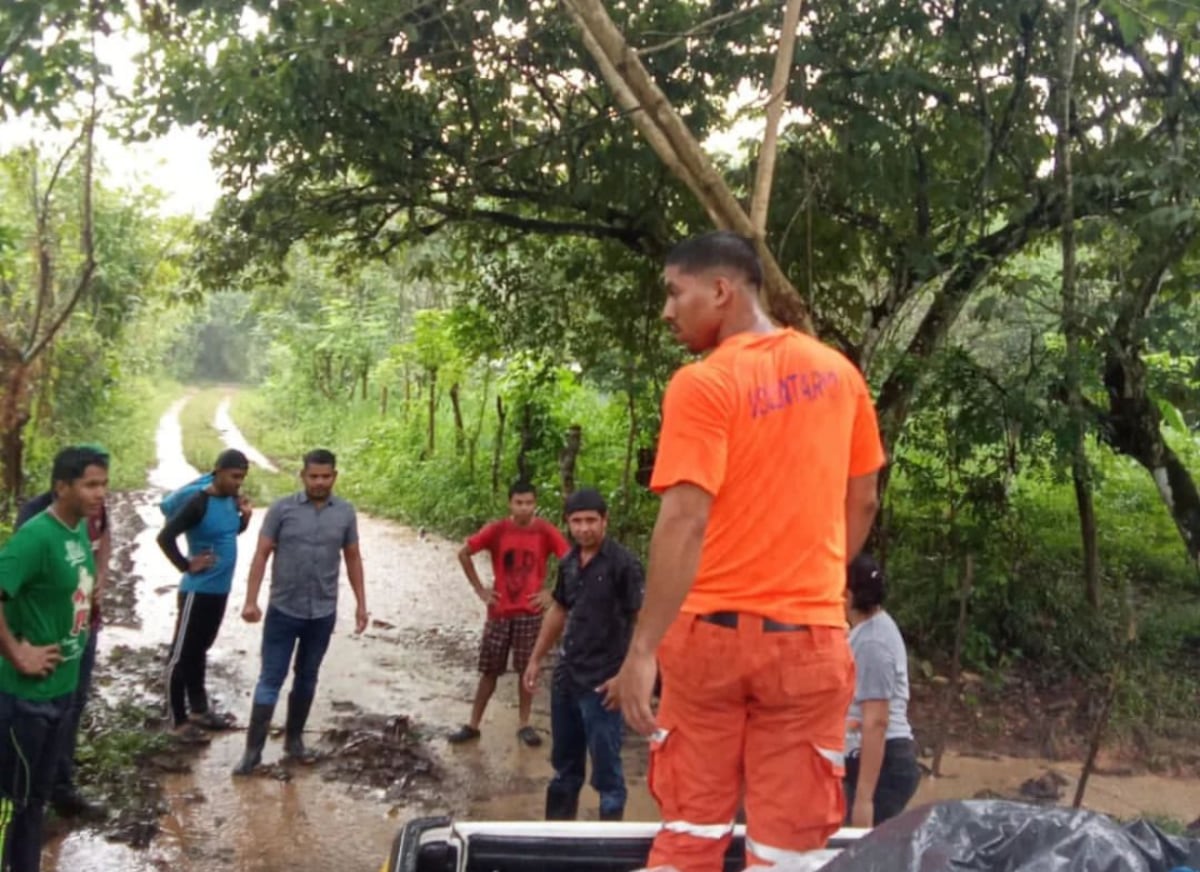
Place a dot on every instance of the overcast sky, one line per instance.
(177, 164)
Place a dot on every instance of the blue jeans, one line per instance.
(579, 726)
(284, 635)
(64, 777)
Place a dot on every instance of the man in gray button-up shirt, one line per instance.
(309, 533)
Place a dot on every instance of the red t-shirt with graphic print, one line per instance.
(518, 562)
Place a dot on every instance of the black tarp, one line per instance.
(999, 836)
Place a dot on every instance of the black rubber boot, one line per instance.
(618, 815)
(256, 737)
(293, 734)
(561, 805)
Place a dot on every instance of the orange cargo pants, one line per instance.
(754, 714)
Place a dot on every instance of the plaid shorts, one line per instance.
(519, 633)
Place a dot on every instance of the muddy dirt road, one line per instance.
(416, 661)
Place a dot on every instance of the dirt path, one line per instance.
(417, 662)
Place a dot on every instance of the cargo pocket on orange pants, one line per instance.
(660, 778)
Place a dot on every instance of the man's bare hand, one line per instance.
(543, 599)
(360, 619)
(630, 691)
(532, 672)
(251, 613)
(36, 661)
(488, 597)
(201, 562)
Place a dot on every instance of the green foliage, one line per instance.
(121, 415)
(92, 382)
(114, 741)
(47, 56)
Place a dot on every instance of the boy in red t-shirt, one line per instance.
(519, 545)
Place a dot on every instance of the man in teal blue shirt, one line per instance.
(212, 516)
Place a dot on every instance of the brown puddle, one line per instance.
(415, 666)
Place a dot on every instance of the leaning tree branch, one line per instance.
(83, 280)
(768, 151)
(636, 91)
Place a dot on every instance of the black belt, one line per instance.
(730, 620)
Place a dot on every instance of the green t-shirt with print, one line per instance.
(47, 573)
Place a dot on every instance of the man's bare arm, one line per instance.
(354, 572)
(258, 568)
(870, 761)
(674, 557)
(862, 502)
(468, 565)
(36, 661)
(675, 548)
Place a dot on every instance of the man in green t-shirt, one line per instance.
(46, 578)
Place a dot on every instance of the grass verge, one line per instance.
(202, 443)
(129, 427)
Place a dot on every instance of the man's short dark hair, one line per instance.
(716, 250)
(320, 457)
(521, 487)
(95, 448)
(71, 464)
(231, 458)
(868, 587)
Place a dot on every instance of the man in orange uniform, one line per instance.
(767, 466)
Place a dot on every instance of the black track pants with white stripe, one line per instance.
(196, 626)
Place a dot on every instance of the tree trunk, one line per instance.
(460, 433)
(1081, 472)
(14, 415)
(432, 412)
(1110, 695)
(1081, 475)
(645, 469)
(523, 470)
(567, 458)
(473, 442)
(383, 401)
(949, 700)
(627, 471)
(498, 446)
(1131, 426)
(407, 394)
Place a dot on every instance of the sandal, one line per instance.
(529, 736)
(465, 733)
(190, 734)
(210, 720)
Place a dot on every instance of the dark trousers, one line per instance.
(196, 626)
(64, 776)
(580, 726)
(898, 778)
(283, 636)
(29, 746)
